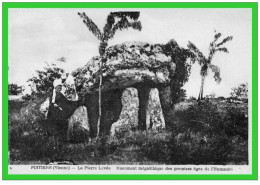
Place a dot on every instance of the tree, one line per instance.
(181, 74)
(206, 62)
(14, 89)
(43, 80)
(240, 92)
(115, 21)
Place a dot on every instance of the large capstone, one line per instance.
(138, 65)
(78, 128)
(154, 113)
(124, 66)
(128, 119)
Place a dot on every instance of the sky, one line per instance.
(36, 36)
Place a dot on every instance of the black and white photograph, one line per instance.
(130, 91)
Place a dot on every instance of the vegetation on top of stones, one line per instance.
(169, 58)
(181, 74)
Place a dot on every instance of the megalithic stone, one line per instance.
(78, 128)
(128, 118)
(154, 113)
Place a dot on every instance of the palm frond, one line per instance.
(122, 23)
(91, 25)
(223, 50)
(108, 27)
(136, 25)
(212, 51)
(132, 15)
(217, 36)
(215, 69)
(213, 47)
(228, 38)
(197, 54)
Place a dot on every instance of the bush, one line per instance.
(44, 78)
(26, 97)
(163, 147)
(29, 132)
(199, 135)
(213, 137)
(202, 116)
(236, 122)
(14, 89)
(185, 148)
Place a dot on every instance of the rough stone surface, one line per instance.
(78, 128)
(154, 113)
(128, 118)
(126, 64)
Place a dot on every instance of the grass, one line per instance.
(204, 133)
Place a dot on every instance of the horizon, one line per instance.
(60, 33)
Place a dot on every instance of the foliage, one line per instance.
(115, 21)
(186, 148)
(203, 117)
(240, 92)
(221, 133)
(31, 137)
(26, 131)
(181, 74)
(206, 62)
(14, 89)
(26, 97)
(199, 134)
(236, 122)
(182, 95)
(44, 78)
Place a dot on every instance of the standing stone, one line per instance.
(78, 129)
(166, 103)
(154, 113)
(128, 118)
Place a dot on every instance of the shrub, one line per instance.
(156, 146)
(202, 116)
(211, 135)
(199, 135)
(236, 122)
(26, 97)
(186, 148)
(29, 132)
(14, 89)
(43, 80)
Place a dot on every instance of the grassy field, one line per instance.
(198, 133)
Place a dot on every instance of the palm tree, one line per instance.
(206, 62)
(115, 21)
